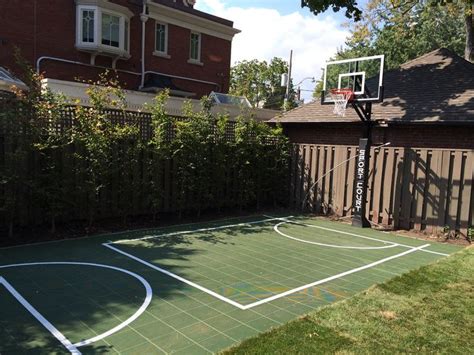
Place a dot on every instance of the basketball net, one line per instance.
(341, 97)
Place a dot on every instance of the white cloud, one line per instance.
(266, 33)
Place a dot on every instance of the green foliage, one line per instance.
(402, 36)
(31, 117)
(205, 160)
(318, 6)
(256, 145)
(102, 148)
(260, 82)
(403, 32)
(101, 164)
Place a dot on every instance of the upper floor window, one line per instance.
(111, 30)
(195, 47)
(102, 30)
(161, 38)
(88, 25)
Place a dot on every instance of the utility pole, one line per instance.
(287, 93)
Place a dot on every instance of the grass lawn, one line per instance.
(428, 310)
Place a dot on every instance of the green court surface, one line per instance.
(189, 289)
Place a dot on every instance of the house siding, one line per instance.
(48, 28)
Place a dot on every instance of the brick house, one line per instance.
(429, 103)
(151, 44)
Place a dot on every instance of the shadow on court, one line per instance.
(74, 298)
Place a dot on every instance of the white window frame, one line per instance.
(198, 59)
(156, 51)
(122, 19)
(97, 45)
(79, 26)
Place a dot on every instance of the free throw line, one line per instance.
(51, 328)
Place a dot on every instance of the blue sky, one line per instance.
(271, 28)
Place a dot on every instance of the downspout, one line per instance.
(144, 19)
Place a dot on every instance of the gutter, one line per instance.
(437, 123)
(382, 123)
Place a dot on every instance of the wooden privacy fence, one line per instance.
(128, 190)
(408, 188)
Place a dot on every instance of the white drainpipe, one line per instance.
(144, 19)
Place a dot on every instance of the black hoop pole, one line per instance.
(359, 203)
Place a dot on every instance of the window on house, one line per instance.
(195, 46)
(101, 29)
(88, 25)
(111, 30)
(161, 38)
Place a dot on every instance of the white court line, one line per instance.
(51, 328)
(265, 300)
(284, 219)
(243, 224)
(275, 228)
(342, 274)
(125, 232)
(138, 313)
(177, 277)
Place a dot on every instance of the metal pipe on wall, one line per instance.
(143, 19)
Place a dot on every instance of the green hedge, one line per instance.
(61, 162)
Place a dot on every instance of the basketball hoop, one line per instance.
(341, 97)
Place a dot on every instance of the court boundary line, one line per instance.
(284, 219)
(125, 323)
(40, 318)
(232, 302)
(127, 231)
(171, 234)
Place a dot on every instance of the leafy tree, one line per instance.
(402, 11)
(260, 82)
(386, 30)
(402, 37)
(319, 6)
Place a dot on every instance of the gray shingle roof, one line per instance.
(436, 87)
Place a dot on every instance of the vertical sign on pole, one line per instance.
(359, 218)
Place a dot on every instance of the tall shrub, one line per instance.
(93, 136)
(158, 150)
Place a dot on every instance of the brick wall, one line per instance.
(48, 28)
(420, 136)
